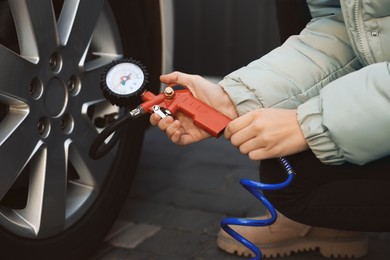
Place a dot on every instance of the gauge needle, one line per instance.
(125, 78)
(122, 81)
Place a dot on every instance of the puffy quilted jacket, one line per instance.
(336, 73)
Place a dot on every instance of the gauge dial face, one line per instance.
(125, 78)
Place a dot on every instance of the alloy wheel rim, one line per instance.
(50, 92)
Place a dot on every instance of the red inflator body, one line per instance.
(203, 115)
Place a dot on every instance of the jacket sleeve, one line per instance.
(296, 71)
(350, 119)
(343, 110)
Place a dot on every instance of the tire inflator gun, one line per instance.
(123, 83)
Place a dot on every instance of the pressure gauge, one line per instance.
(123, 81)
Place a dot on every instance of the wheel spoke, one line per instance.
(15, 153)
(105, 39)
(74, 29)
(84, 135)
(30, 27)
(27, 41)
(104, 46)
(91, 80)
(32, 214)
(11, 82)
(66, 20)
(45, 31)
(88, 177)
(54, 201)
(92, 172)
(18, 111)
(82, 186)
(46, 205)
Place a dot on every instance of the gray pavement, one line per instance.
(178, 198)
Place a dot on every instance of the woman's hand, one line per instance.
(208, 92)
(182, 130)
(267, 133)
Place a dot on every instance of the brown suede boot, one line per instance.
(286, 236)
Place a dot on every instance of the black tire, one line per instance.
(81, 230)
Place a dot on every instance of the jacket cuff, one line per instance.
(317, 136)
(241, 95)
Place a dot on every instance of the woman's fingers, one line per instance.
(236, 126)
(154, 119)
(267, 133)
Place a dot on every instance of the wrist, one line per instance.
(227, 106)
(215, 96)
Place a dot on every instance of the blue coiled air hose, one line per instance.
(255, 188)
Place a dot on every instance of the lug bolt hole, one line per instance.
(43, 127)
(74, 85)
(36, 88)
(55, 62)
(67, 124)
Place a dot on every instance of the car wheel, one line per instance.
(55, 201)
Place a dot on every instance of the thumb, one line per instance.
(179, 78)
(175, 78)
